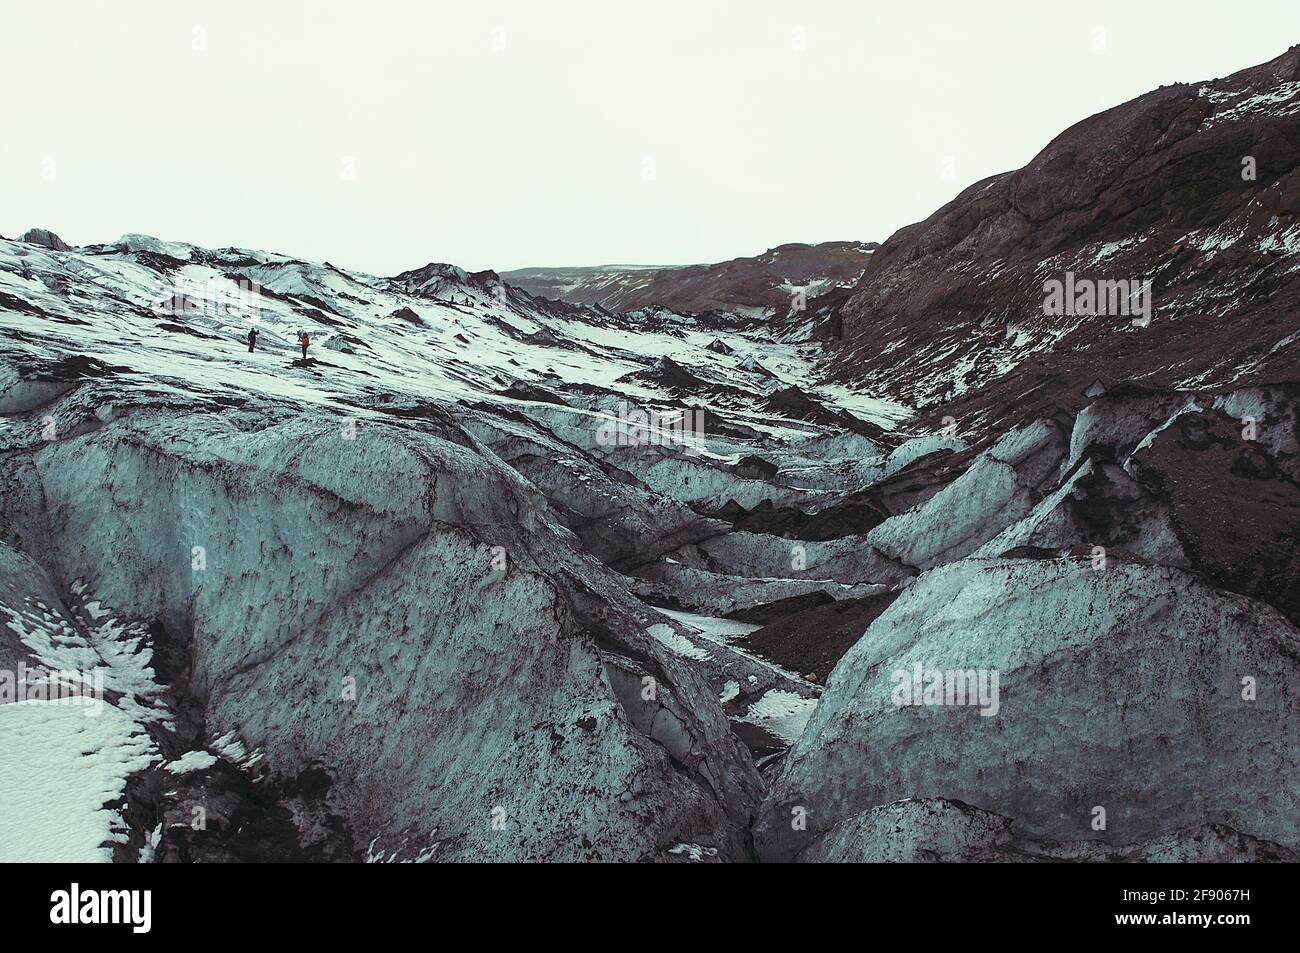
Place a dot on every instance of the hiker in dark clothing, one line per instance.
(252, 339)
(303, 341)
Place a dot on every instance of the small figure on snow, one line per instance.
(252, 339)
(303, 341)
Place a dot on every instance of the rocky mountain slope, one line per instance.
(1193, 188)
(762, 285)
(412, 583)
(489, 576)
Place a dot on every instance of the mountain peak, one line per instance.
(45, 238)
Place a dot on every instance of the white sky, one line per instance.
(501, 134)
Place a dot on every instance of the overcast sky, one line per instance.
(500, 134)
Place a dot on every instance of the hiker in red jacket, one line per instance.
(303, 340)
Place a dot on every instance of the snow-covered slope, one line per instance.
(396, 564)
(452, 587)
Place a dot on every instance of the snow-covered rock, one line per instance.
(957, 519)
(45, 238)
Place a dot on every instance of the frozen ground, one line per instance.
(418, 597)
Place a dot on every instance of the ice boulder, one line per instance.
(394, 606)
(1109, 705)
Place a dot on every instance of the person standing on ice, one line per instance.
(303, 341)
(252, 339)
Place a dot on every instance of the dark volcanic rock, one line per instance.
(795, 403)
(762, 281)
(522, 390)
(1236, 514)
(1155, 189)
(671, 376)
(853, 516)
(812, 640)
(45, 238)
(756, 468)
(14, 303)
(771, 611)
(407, 315)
